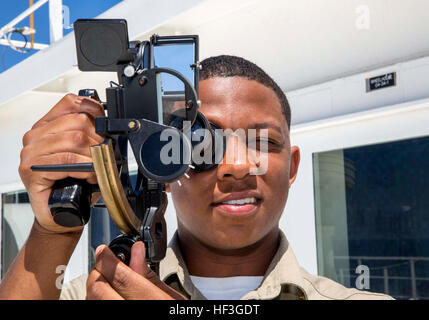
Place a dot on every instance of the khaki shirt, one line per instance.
(284, 280)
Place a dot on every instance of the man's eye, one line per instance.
(266, 140)
(261, 144)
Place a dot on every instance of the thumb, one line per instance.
(137, 260)
(138, 264)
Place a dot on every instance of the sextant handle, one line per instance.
(70, 198)
(70, 202)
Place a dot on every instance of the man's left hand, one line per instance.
(113, 280)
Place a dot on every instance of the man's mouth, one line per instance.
(241, 201)
(237, 204)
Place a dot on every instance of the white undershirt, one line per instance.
(230, 288)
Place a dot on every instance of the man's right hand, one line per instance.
(63, 136)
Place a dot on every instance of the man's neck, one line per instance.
(205, 261)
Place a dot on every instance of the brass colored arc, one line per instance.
(111, 188)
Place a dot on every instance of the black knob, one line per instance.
(121, 247)
(70, 202)
(90, 93)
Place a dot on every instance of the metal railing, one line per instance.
(55, 25)
(411, 261)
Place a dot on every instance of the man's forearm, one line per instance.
(33, 274)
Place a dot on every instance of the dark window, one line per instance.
(371, 206)
(101, 231)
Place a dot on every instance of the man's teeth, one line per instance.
(241, 201)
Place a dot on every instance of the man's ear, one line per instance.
(295, 157)
(167, 188)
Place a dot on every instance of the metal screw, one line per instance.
(189, 104)
(197, 65)
(142, 81)
(134, 125)
(121, 256)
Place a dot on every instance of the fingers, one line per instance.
(62, 142)
(124, 280)
(40, 181)
(75, 122)
(139, 265)
(98, 288)
(63, 136)
(128, 282)
(72, 103)
(39, 185)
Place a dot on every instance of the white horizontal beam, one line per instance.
(20, 44)
(361, 116)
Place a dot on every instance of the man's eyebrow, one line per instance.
(265, 125)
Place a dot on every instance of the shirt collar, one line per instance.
(173, 265)
(283, 276)
(282, 279)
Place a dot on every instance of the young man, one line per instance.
(228, 244)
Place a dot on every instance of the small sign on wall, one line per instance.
(382, 81)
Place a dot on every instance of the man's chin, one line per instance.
(233, 240)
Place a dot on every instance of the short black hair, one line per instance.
(233, 66)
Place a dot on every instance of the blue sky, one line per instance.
(77, 8)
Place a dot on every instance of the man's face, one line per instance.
(203, 202)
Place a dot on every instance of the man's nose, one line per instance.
(235, 162)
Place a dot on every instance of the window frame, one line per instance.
(6, 188)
